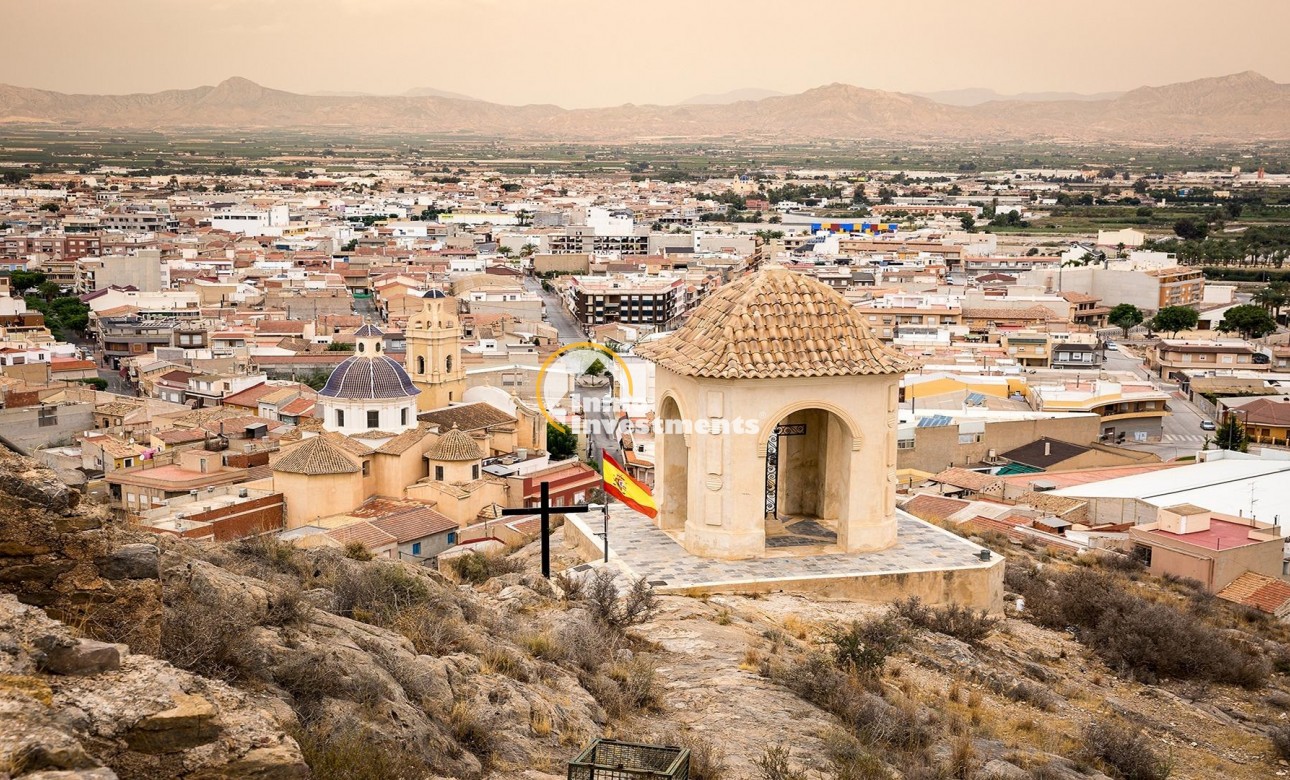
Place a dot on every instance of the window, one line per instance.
(449, 362)
(438, 473)
(373, 418)
(416, 548)
(452, 537)
(969, 438)
(362, 347)
(474, 471)
(48, 416)
(421, 364)
(128, 462)
(904, 444)
(367, 467)
(403, 416)
(340, 418)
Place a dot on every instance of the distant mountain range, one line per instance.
(1241, 107)
(976, 96)
(733, 96)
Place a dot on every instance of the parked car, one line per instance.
(1208, 425)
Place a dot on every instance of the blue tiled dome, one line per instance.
(369, 377)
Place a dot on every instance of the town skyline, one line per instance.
(206, 43)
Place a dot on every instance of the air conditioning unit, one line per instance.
(241, 493)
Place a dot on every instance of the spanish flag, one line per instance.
(627, 490)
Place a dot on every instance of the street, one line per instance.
(1182, 431)
(556, 313)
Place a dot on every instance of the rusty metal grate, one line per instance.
(606, 759)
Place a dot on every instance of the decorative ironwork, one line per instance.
(772, 461)
(606, 759)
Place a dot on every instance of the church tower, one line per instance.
(434, 352)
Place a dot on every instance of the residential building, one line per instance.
(1169, 357)
(1128, 412)
(635, 299)
(1212, 548)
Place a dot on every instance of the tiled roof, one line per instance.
(1260, 591)
(1034, 313)
(926, 506)
(775, 323)
(966, 479)
(468, 417)
(298, 406)
(362, 532)
(349, 444)
(250, 397)
(404, 441)
(404, 520)
(369, 377)
(315, 456)
(455, 445)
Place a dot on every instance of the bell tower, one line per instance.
(434, 352)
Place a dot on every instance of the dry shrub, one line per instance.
(470, 731)
(309, 680)
(1142, 638)
(1125, 752)
(503, 661)
(348, 754)
(432, 632)
(624, 688)
(707, 759)
(268, 553)
(202, 639)
(1280, 736)
(571, 584)
(1036, 696)
(620, 610)
(774, 764)
(358, 551)
(477, 568)
(287, 607)
(863, 646)
(377, 593)
(964, 623)
(849, 760)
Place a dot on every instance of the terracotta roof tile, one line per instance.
(455, 445)
(1260, 591)
(775, 323)
(313, 456)
(468, 417)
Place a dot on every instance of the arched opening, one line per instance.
(673, 467)
(362, 347)
(808, 472)
(421, 364)
(449, 364)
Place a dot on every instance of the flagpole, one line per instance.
(605, 535)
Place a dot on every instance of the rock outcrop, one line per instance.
(77, 708)
(71, 560)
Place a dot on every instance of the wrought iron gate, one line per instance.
(772, 462)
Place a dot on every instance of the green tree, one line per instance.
(968, 222)
(22, 281)
(1249, 320)
(350, 245)
(1191, 229)
(48, 290)
(561, 442)
(1172, 319)
(1125, 316)
(1272, 298)
(340, 346)
(1231, 435)
(596, 368)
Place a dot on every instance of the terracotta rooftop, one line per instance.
(775, 324)
(468, 417)
(926, 506)
(455, 445)
(315, 456)
(966, 479)
(1259, 591)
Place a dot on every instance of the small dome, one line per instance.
(455, 445)
(773, 324)
(364, 377)
(368, 331)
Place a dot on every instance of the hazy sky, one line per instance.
(606, 52)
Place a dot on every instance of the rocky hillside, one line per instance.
(1240, 107)
(272, 662)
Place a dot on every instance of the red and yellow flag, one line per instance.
(627, 490)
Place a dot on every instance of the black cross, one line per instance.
(545, 510)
